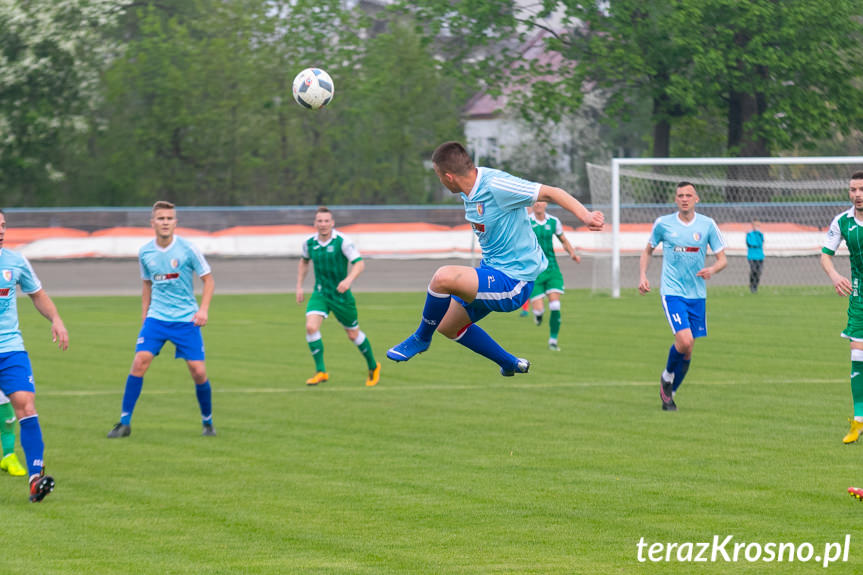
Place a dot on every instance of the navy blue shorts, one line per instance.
(16, 373)
(683, 313)
(497, 292)
(185, 336)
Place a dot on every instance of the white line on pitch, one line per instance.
(395, 386)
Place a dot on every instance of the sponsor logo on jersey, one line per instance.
(174, 263)
(687, 249)
(480, 208)
(478, 227)
(4, 292)
(7, 275)
(165, 277)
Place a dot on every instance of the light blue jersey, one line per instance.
(171, 271)
(495, 207)
(15, 271)
(684, 247)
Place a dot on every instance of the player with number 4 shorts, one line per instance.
(685, 237)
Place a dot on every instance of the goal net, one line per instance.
(792, 200)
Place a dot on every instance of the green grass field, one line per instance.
(445, 467)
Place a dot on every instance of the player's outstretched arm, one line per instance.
(840, 282)
(593, 220)
(46, 307)
(643, 264)
(356, 269)
(203, 314)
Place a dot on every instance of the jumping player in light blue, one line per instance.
(170, 313)
(460, 296)
(685, 237)
(16, 374)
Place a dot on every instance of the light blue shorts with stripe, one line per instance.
(497, 292)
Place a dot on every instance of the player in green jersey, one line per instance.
(331, 252)
(550, 282)
(848, 226)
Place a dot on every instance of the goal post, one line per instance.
(795, 198)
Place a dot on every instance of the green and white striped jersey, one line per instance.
(330, 259)
(545, 231)
(846, 227)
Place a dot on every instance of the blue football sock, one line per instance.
(31, 441)
(130, 397)
(674, 357)
(433, 311)
(476, 339)
(205, 400)
(680, 372)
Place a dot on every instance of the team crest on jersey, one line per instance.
(330, 249)
(174, 263)
(7, 275)
(480, 208)
(696, 236)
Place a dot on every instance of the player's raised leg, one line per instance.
(457, 326)
(447, 281)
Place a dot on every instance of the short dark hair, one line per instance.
(683, 184)
(162, 205)
(452, 158)
(857, 176)
(323, 210)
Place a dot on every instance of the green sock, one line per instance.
(7, 428)
(554, 323)
(317, 348)
(366, 349)
(857, 387)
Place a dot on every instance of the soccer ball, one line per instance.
(313, 88)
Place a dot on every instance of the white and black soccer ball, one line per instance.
(313, 88)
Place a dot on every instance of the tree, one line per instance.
(51, 56)
(780, 74)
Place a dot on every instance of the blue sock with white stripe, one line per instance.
(31, 441)
(134, 384)
(205, 401)
(476, 339)
(433, 311)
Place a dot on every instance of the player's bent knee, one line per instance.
(141, 364)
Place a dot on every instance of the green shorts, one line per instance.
(549, 281)
(342, 305)
(854, 329)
